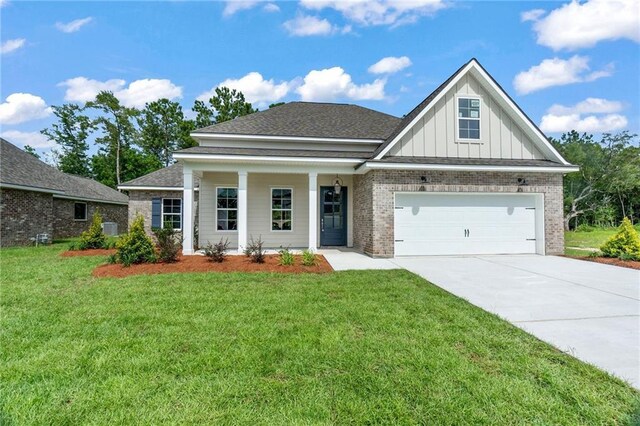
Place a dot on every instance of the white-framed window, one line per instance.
(281, 209)
(172, 212)
(79, 211)
(469, 118)
(226, 209)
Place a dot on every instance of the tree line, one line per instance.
(132, 142)
(607, 187)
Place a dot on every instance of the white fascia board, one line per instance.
(30, 188)
(91, 200)
(472, 168)
(152, 188)
(283, 138)
(542, 141)
(422, 113)
(249, 158)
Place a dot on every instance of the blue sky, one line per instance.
(568, 65)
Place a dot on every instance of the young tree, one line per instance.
(31, 150)
(70, 132)
(163, 130)
(118, 135)
(226, 105)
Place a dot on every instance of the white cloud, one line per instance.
(333, 83)
(532, 15)
(11, 45)
(34, 139)
(303, 25)
(588, 106)
(600, 117)
(557, 72)
(3, 3)
(379, 12)
(390, 65)
(73, 26)
(82, 89)
(139, 92)
(584, 24)
(271, 7)
(21, 107)
(255, 89)
(231, 7)
(591, 124)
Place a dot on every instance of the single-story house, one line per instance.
(36, 198)
(465, 172)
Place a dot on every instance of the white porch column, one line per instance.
(188, 213)
(313, 211)
(242, 211)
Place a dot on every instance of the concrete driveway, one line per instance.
(589, 310)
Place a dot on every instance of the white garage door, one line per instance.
(450, 224)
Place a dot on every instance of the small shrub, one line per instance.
(625, 243)
(93, 238)
(585, 227)
(286, 257)
(308, 258)
(217, 251)
(112, 259)
(593, 254)
(136, 246)
(255, 250)
(168, 243)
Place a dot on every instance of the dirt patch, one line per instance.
(632, 264)
(202, 264)
(90, 252)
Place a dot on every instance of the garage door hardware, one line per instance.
(399, 207)
(399, 241)
(466, 232)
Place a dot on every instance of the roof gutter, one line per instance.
(282, 138)
(152, 188)
(369, 165)
(223, 157)
(92, 200)
(31, 188)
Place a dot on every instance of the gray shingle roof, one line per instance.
(275, 152)
(311, 119)
(169, 177)
(22, 169)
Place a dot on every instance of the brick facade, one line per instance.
(140, 202)
(64, 224)
(374, 196)
(23, 215)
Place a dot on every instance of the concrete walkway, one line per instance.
(587, 309)
(344, 259)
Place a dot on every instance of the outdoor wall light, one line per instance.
(337, 185)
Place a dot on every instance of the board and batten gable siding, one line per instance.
(434, 135)
(259, 208)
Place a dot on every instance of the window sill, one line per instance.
(470, 141)
(79, 220)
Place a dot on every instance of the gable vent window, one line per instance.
(469, 118)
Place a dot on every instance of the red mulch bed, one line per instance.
(90, 252)
(202, 264)
(632, 264)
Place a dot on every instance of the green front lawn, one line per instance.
(350, 347)
(593, 239)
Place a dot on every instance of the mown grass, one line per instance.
(588, 240)
(353, 347)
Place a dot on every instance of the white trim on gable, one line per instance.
(464, 167)
(487, 81)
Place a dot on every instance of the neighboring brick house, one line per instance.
(464, 172)
(36, 198)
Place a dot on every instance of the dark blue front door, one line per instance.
(333, 216)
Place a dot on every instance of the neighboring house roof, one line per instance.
(311, 120)
(221, 151)
(22, 170)
(169, 177)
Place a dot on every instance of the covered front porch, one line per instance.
(294, 205)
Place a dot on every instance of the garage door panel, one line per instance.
(439, 224)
